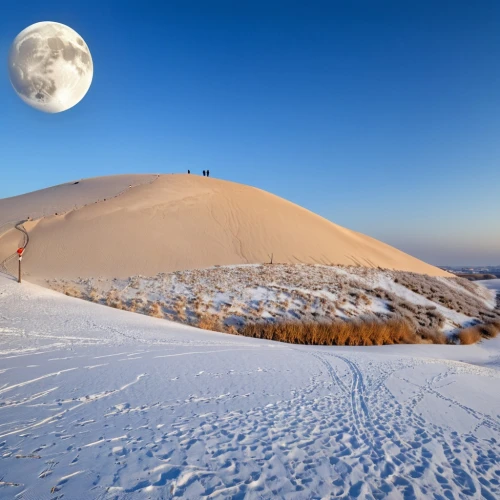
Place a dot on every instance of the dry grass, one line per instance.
(93, 295)
(155, 310)
(362, 299)
(306, 295)
(210, 322)
(113, 300)
(179, 307)
(354, 333)
(496, 324)
(72, 291)
(137, 305)
(473, 334)
(430, 336)
(420, 316)
(455, 297)
(469, 336)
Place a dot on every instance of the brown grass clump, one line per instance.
(136, 305)
(113, 300)
(93, 295)
(260, 308)
(474, 334)
(180, 308)
(496, 324)
(112, 296)
(73, 292)
(490, 330)
(354, 333)
(470, 335)
(155, 310)
(362, 299)
(210, 322)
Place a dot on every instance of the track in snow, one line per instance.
(99, 403)
(342, 433)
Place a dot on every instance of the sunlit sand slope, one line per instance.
(181, 222)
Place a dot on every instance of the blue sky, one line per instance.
(381, 116)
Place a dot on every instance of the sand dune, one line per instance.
(179, 222)
(65, 197)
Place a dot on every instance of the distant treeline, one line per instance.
(477, 276)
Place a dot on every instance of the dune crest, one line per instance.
(178, 222)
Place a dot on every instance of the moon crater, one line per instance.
(50, 67)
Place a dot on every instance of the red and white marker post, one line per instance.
(20, 252)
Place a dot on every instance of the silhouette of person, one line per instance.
(203, 173)
(208, 173)
(189, 171)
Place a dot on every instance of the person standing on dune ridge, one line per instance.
(208, 173)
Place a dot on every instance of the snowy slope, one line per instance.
(233, 296)
(102, 403)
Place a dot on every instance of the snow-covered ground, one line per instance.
(493, 285)
(101, 403)
(225, 298)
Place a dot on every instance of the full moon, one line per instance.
(50, 67)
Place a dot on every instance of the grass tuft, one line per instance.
(469, 335)
(474, 334)
(210, 322)
(155, 310)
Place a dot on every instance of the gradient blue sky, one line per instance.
(382, 116)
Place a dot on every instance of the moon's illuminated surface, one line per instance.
(50, 67)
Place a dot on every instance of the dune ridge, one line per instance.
(178, 222)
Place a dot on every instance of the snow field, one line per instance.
(101, 403)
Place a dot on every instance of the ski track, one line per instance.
(200, 415)
(343, 434)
